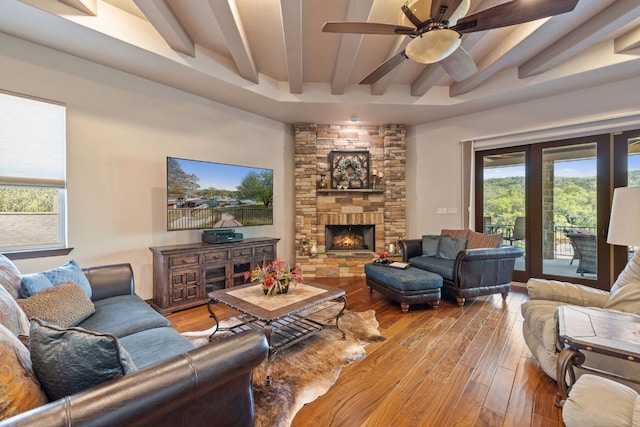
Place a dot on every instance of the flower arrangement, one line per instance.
(275, 276)
(383, 258)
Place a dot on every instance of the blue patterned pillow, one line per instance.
(33, 283)
(68, 361)
(69, 272)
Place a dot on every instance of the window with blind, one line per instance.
(32, 174)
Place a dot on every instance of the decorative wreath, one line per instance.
(343, 169)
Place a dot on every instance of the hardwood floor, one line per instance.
(452, 366)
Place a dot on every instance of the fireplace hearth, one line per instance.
(350, 237)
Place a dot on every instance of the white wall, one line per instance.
(120, 130)
(434, 157)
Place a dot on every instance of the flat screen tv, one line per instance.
(205, 195)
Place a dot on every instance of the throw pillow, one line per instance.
(33, 283)
(480, 241)
(9, 276)
(456, 234)
(19, 388)
(63, 305)
(625, 292)
(69, 272)
(11, 315)
(68, 361)
(430, 245)
(449, 247)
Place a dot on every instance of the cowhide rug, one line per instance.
(305, 371)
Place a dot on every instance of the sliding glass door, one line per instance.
(626, 173)
(504, 198)
(552, 199)
(570, 210)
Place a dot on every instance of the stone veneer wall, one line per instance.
(385, 209)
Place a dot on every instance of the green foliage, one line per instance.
(27, 199)
(179, 182)
(574, 200)
(258, 186)
(504, 199)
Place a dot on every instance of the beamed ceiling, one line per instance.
(270, 57)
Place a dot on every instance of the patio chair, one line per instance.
(519, 231)
(585, 250)
(573, 247)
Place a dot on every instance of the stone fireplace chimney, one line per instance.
(380, 206)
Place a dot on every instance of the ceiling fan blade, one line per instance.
(513, 12)
(459, 65)
(384, 68)
(366, 28)
(459, 12)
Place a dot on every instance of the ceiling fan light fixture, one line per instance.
(433, 46)
(420, 8)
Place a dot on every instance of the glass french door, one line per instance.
(552, 199)
(504, 198)
(626, 173)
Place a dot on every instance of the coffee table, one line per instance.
(285, 319)
(584, 329)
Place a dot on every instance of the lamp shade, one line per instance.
(433, 46)
(624, 225)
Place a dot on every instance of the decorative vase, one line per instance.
(314, 250)
(323, 182)
(280, 288)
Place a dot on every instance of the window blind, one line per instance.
(32, 142)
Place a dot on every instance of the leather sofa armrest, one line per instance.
(570, 293)
(110, 280)
(410, 248)
(485, 267)
(207, 385)
(490, 253)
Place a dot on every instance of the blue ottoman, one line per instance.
(408, 286)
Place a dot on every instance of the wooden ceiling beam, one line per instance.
(90, 7)
(160, 15)
(358, 10)
(616, 15)
(292, 32)
(627, 42)
(228, 18)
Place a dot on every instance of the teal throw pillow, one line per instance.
(33, 283)
(68, 361)
(449, 247)
(430, 245)
(69, 272)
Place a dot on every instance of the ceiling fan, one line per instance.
(439, 26)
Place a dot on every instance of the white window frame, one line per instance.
(33, 147)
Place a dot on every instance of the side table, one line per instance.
(584, 329)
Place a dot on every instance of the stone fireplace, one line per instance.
(349, 237)
(379, 205)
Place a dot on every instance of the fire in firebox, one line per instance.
(350, 237)
(348, 240)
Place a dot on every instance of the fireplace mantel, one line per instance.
(351, 190)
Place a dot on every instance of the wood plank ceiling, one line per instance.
(271, 58)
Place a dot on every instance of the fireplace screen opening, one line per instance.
(350, 237)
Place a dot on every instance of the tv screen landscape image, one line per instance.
(205, 195)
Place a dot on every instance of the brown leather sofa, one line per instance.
(210, 385)
(176, 384)
(473, 272)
